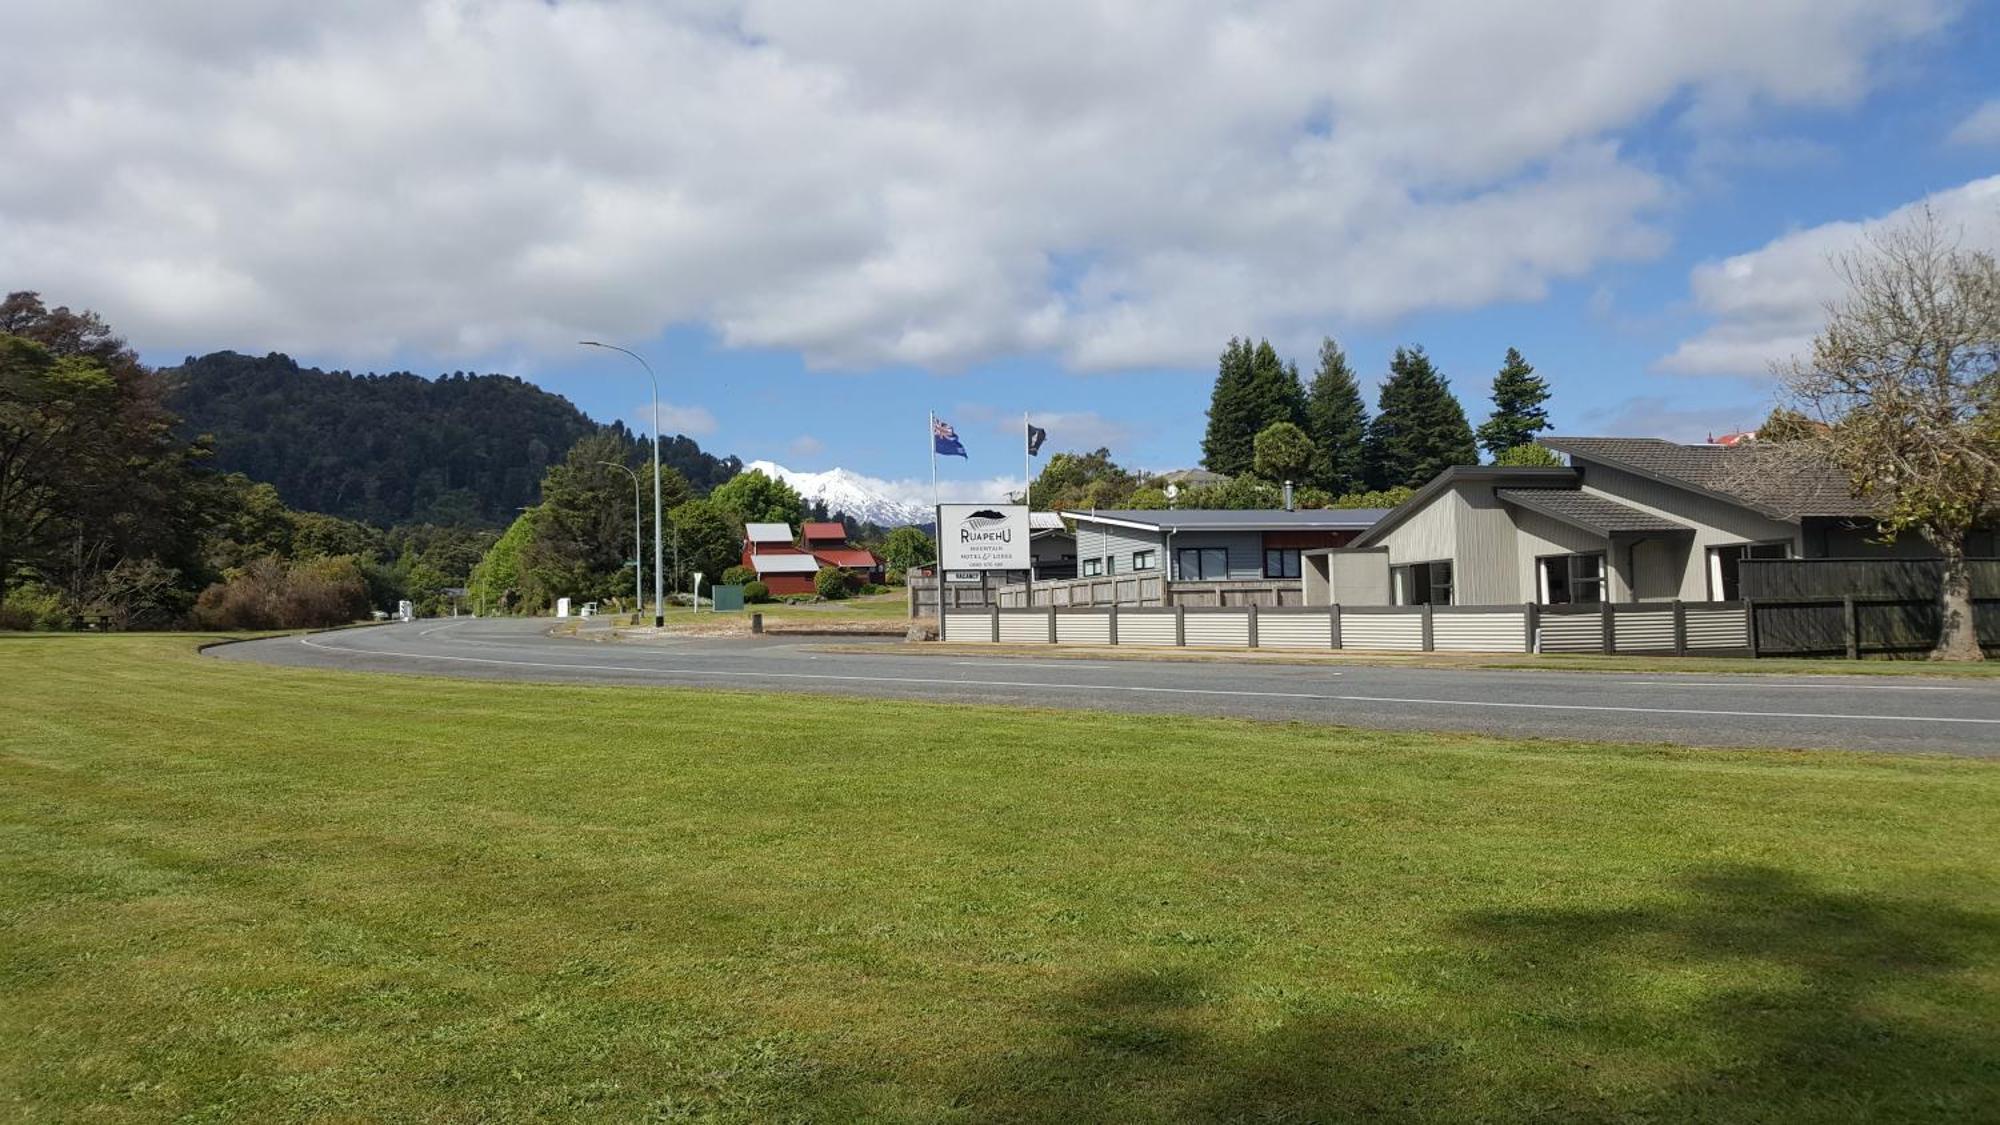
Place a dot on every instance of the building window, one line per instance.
(1424, 583)
(1571, 579)
(1144, 560)
(1722, 566)
(1281, 562)
(1201, 564)
(1093, 568)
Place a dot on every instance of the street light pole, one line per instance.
(659, 592)
(638, 528)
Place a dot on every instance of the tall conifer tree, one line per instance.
(1253, 390)
(1337, 423)
(1419, 428)
(1518, 395)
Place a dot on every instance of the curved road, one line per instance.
(1802, 712)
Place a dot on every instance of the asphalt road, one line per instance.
(1799, 712)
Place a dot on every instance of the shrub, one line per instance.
(33, 607)
(738, 576)
(267, 594)
(755, 591)
(831, 582)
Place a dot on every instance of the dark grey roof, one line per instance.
(1587, 510)
(1253, 519)
(1780, 481)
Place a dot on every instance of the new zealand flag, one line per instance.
(944, 439)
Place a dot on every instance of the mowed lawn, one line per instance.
(234, 893)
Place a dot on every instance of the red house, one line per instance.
(827, 541)
(781, 566)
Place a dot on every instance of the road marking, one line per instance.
(1029, 664)
(1589, 707)
(1797, 687)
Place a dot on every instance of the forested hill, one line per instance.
(397, 448)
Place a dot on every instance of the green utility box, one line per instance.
(725, 599)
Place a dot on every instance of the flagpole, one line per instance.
(937, 524)
(1027, 466)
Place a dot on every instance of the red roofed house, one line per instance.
(827, 540)
(781, 566)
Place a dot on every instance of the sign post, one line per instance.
(980, 537)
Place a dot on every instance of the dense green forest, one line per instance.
(462, 450)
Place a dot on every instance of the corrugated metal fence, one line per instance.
(1708, 628)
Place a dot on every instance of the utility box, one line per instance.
(725, 599)
(562, 607)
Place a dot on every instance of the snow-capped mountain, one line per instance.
(866, 499)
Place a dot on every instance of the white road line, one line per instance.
(1752, 686)
(309, 642)
(1029, 664)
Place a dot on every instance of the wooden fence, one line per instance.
(1856, 607)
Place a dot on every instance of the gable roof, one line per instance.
(1537, 477)
(825, 529)
(852, 558)
(1220, 519)
(1587, 510)
(784, 564)
(1774, 480)
(768, 532)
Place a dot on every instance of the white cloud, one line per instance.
(694, 421)
(805, 445)
(1980, 127)
(1068, 430)
(1766, 305)
(1122, 185)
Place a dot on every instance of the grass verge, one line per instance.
(253, 894)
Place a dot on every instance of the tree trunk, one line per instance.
(1958, 637)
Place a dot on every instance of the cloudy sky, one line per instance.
(821, 221)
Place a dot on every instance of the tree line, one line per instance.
(1264, 422)
(397, 448)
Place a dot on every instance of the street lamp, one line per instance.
(659, 591)
(638, 525)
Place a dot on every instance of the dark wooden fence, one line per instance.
(1858, 606)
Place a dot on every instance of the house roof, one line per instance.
(1775, 480)
(1045, 521)
(1587, 510)
(1216, 519)
(768, 532)
(1466, 474)
(849, 557)
(825, 529)
(784, 564)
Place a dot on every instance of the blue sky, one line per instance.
(822, 225)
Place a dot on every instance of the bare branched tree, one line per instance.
(1906, 379)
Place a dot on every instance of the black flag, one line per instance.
(1036, 436)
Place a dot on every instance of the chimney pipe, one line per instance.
(1288, 496)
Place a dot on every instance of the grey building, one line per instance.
(1194, 545)
(1629, 520)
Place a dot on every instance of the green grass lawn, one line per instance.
(235, 893)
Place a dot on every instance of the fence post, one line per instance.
(1052, 621)
(1850, 625)
(993, 615)
(1333, 625)
(1607, 630)
(1531, 621)
(1430, 635)
(1180, 626)
(1750, 625)
(1112, 635)
(1253, 624)
(1680, 628)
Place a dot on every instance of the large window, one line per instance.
(1424, 583)
(1722, 566)
(1281, 562)
(1201, 564)
(1092, 568)
(1144, 560)
(1571, 579)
